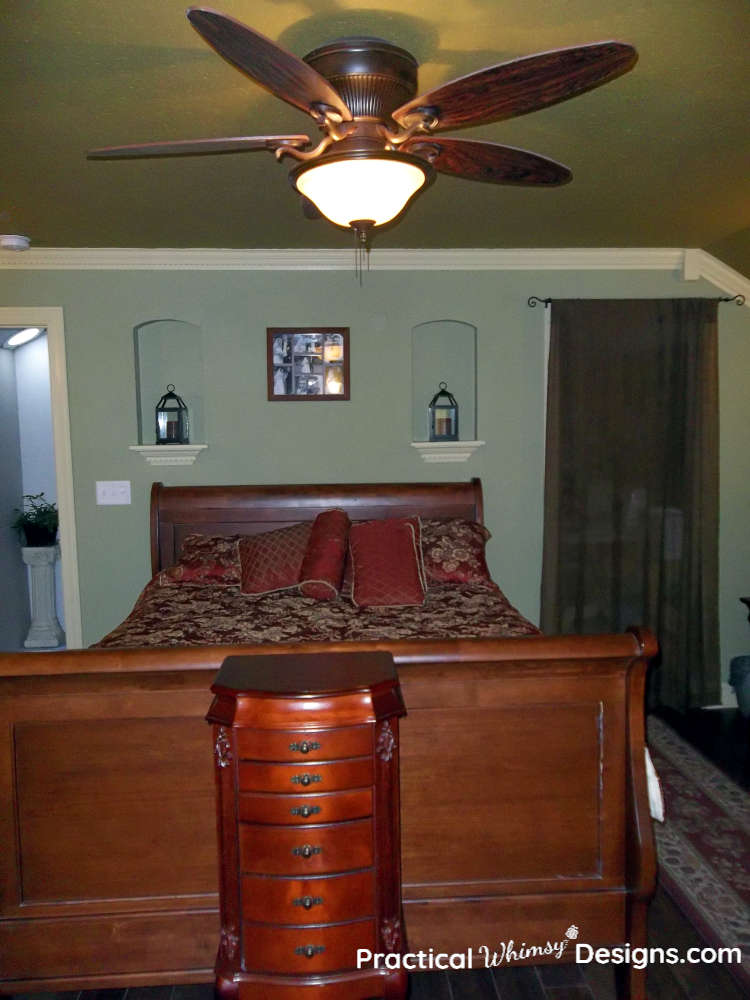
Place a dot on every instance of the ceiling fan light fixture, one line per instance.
(376, 150)
(351, 187)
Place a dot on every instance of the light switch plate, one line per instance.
(113, 492)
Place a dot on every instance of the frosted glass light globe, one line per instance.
(350, 190)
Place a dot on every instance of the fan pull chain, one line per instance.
(362, 242)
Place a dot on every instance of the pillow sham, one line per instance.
(323, 564)
(210, 559)
(348, 580)
(272, 560)
(385, 560)
(453, 551)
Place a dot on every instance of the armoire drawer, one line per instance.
(302, 777)
(305, 850)
(327, 744)
(323, 900)
(331, 807)
(313, 949)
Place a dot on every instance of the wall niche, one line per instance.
(169, 352)
(444, 350)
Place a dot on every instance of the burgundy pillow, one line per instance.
(348, 580)
(273, 560)
(205, 559)
(323, 565)
(453, 551)
(385, 563)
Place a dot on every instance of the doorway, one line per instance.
(51, 320)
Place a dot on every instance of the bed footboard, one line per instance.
(524, 806)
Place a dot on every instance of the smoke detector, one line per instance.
(9, 241)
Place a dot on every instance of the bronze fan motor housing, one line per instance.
(372, 76)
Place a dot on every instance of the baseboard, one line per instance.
(728, 698)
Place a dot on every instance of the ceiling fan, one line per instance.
(380, 143)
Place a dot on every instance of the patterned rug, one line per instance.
(704, 844)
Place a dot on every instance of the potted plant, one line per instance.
(37, 522)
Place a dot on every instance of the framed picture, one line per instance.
(308, 363)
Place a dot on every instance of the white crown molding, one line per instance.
(699, 264)
(95, 259)
(692, 264)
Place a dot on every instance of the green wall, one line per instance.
(366, 439)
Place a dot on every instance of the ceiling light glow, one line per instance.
(351, 189)
(23, 336)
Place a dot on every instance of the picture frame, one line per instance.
(308, 363)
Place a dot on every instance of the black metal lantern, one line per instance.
(172, 426)
(443, 413)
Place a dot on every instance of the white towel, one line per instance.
(655, 797)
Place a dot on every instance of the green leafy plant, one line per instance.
(37, 522)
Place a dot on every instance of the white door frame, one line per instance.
(52, 319)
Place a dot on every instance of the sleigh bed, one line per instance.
(524, 797)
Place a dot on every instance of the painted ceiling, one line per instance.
(659, 156)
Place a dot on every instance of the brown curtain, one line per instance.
(631, 490)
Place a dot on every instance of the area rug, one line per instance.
(703, 846)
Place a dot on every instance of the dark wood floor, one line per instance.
(721, 735)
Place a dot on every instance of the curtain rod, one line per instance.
(738, 299)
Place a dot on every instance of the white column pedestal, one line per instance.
(45, 629)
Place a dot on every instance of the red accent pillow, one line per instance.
(348, 581)
(453, 551)
(323, 565)
(205, 559)
(386, 563)
(273, 560)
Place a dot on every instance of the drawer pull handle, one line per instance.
(306, 851)
(305, 746)
(308, 901)
(304, 811)
(305, 779)
(309, 950)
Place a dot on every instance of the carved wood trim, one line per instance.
(223, 748)
(386, 743)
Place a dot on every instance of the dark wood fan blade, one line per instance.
(523, 85)
(197, 147)
(487, 161)
(267, 63)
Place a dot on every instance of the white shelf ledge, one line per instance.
(169, 454)
(446, 451)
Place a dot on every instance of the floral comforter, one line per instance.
(200, 615)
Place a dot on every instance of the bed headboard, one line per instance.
(178, 511)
